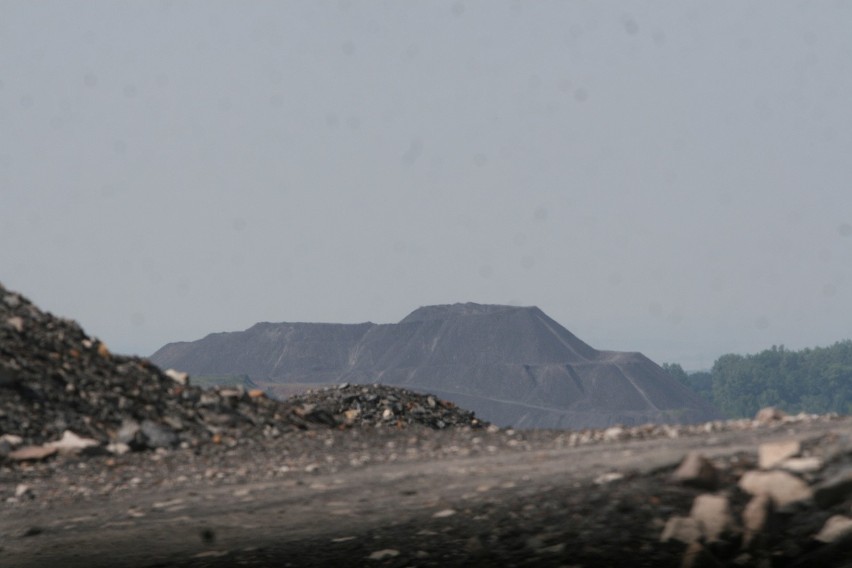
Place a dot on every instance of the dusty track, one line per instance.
(485, 509)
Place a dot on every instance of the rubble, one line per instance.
(797, 510)
(381, 406)
(59, 387)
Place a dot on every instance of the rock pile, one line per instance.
(381, 406)
(63, 391)
(790, 507)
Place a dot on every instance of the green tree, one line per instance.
(677, 372)
(816, 380)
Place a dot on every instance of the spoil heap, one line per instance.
(513, 366)
(54, 378)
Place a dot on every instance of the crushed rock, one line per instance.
(61, 388)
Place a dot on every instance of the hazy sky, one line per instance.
(668, 177)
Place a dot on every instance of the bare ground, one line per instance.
(408, 498)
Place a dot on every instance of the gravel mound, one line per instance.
(57, 383)
(381, 405)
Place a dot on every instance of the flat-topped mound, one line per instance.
(511, 365)
(446, 311)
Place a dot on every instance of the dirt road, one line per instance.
(540, 505)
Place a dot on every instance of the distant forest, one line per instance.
(817, 380)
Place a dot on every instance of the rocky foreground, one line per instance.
(769, 492)
(108, 461)
(61, 390)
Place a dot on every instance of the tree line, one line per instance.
(814, 380)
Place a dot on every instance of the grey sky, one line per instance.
(668, 177)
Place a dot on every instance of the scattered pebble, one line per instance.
(606, 478)
(383, 554)
(444, 513)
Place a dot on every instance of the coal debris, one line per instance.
(55, 379)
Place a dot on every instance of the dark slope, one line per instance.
(311, 352)
(510, 365)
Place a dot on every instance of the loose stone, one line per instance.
(783, 488)
(697, 471)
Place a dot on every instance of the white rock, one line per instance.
(613, 433)
(772, 453)
(351, 415)
(444, 513)
(32, 453)
(179, 377)
(780, 486)
(72, 443)
(23, 490)
(802, 465)
(605, 478)
(834, 529)
(16, 323)
(671, 431)
(118, 448)
(696, 470)
(12, 439)
(713, 513)
(383, 554)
